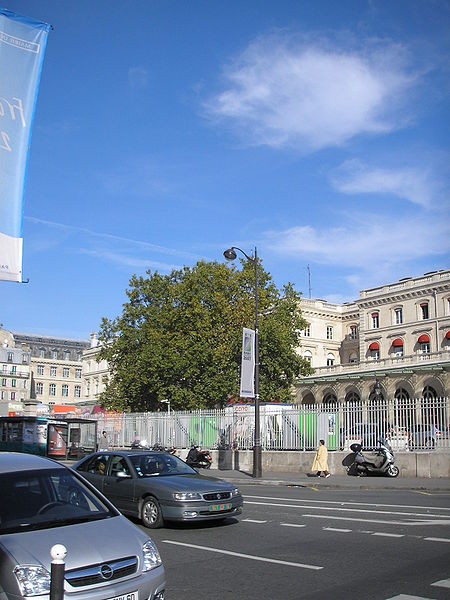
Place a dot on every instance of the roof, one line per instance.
(11, 462)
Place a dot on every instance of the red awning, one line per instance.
(424, 339)
(398, 343)
(374, 346)
(447, 335)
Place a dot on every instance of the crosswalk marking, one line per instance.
(445, 583)
(292, 525)
(336, 529)
(434, 539)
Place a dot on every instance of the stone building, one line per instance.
(396, 336)
(56, 368)
(15, 382)
(95, 372)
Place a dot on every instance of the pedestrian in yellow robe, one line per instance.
(320, 463)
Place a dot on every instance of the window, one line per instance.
(375, 355)
(13, 370)
(13, 395)
(54, 353)
(13, 383)
(78, 355)
(39, 388)
(329, 332)
(2, 395)
(10, 356)
(77, 373)
(424, 310)
(5, 368)
(25, 359)
(65, 372)
(40, 369)
(353, 332)
(65, 390)
(425, 348)
(398, 316)
(41, 352)
(375, 320)
(330, 360)
(67, 355)
(96, 386)
(307, 331)
(308, 356)
(78, 391)
(52, 371)
(52, 389)
(4, 384)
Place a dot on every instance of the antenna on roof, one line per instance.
(309, 280)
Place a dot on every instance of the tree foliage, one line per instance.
(179, 337)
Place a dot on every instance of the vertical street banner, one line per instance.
(248, 364)
(22, 47)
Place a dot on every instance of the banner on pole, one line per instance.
(22, 47)
(248, 364)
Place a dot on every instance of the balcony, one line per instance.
(382, 364)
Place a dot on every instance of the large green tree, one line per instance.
(179, 338)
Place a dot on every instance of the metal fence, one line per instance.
(408, 424)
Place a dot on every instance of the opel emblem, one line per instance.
(106, 571)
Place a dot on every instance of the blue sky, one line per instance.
(166, 131)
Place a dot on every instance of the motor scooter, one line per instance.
(199, 459)
(379, 462)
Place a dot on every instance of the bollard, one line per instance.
(58, 552)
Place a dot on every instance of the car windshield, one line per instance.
(159, 464)
(47, 498)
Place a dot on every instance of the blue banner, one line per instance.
(22, 47)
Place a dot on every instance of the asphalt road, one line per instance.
(294, 543)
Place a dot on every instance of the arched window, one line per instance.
(330, 399)
(401, 394)
(429, 393)
(307, 356)
(353, 411)
(330, 359)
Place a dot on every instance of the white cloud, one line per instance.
(358, 243)
(416, 186)
(310, 95)
(126, 260)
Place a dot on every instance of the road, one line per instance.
(293, 543)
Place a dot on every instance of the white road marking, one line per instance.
(445, 583)
(358, 510)
(252, 521)
(406, 597)
(352, 503)
(249, 556)
(358, 520)
(336, 529)
(393, 535)
(433, 539)
(291, 525)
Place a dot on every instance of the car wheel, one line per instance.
(151, 514)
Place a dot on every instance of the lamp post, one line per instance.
(230, 254)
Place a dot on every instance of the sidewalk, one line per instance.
(343, 482)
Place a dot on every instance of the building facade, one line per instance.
(95, 372)
(15, 374)
(56, 368)
(396, 336)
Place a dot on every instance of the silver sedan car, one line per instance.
(42, 504)
(157, 487)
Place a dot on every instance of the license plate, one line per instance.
(219, 507)
(129, 596)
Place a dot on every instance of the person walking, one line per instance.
(103, 442)
(320, 463)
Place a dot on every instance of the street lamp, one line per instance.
(377, 389)
(230, 254)
(168, 405)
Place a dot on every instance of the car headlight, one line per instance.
(152, 558)
(33, 580)
(186, 496)
(235, 492)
